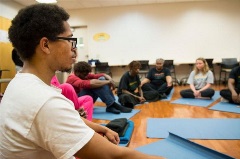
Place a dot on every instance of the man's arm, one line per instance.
(169, 81)
(112, 136)
(95, 83)
(231, 87)
(99, 148)
(145, 80)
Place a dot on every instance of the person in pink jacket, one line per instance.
(85, 102)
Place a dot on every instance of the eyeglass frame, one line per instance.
(72, 40)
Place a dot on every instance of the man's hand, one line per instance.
(235, 98)
(112, 84)
(112, 136)
(82, 112)
(142, 99)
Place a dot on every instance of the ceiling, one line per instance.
(82, 4)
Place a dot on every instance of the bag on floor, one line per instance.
(118, 125)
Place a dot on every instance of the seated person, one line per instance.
(200, 81)
(85, 102)
(36, 121)
(86, 83)
(158, 79)
(129, 90)
(232, 94)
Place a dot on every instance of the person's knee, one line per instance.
(89, 98)
(182, 93)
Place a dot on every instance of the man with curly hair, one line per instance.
(36, 120)
(95, 85)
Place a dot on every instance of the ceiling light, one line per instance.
(46, 1)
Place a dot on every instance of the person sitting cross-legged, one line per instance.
(158, 79)
(200, 81)
(95, 85)
(129, 90)
(232, 94)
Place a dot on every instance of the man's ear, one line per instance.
(44, 45)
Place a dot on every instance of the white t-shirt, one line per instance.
(38, 122)
(199, 80)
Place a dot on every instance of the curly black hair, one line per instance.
(134, 64)
(34, 22)
(81, 67)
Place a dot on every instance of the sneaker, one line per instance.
(122, 108)
(112, 110)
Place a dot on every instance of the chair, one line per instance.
(170, 65)
(144, 68)
(211, 67)
(226, 66)
(103, 67)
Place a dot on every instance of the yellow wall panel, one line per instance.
(6, 55)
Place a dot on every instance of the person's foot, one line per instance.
(122, 108)
(224, 100)
(162, 96)
(112, 110)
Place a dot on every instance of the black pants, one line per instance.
(128, 100)
(188, 93)
(160, 89)
(227, 94)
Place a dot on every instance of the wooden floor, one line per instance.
(164, 109)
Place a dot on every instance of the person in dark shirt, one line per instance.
(158, 79)
(232, 94)
(129, 83)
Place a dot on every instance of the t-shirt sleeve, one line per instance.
(191, 78)
(167, 72)
(210, 78)
(59, 129)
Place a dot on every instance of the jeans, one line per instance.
(104, 93)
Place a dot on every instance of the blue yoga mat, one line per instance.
(226, 107)
(197, 102)
(190, 128)
(176, 147)
(169, 97)
(124, 140)
(100, 113)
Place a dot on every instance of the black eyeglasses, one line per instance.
(72, 40)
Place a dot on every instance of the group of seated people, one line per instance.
(83, 88)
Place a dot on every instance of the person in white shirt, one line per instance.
(36, 120)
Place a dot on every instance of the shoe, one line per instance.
(162, 96)
(112, 110)
(122, 108)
